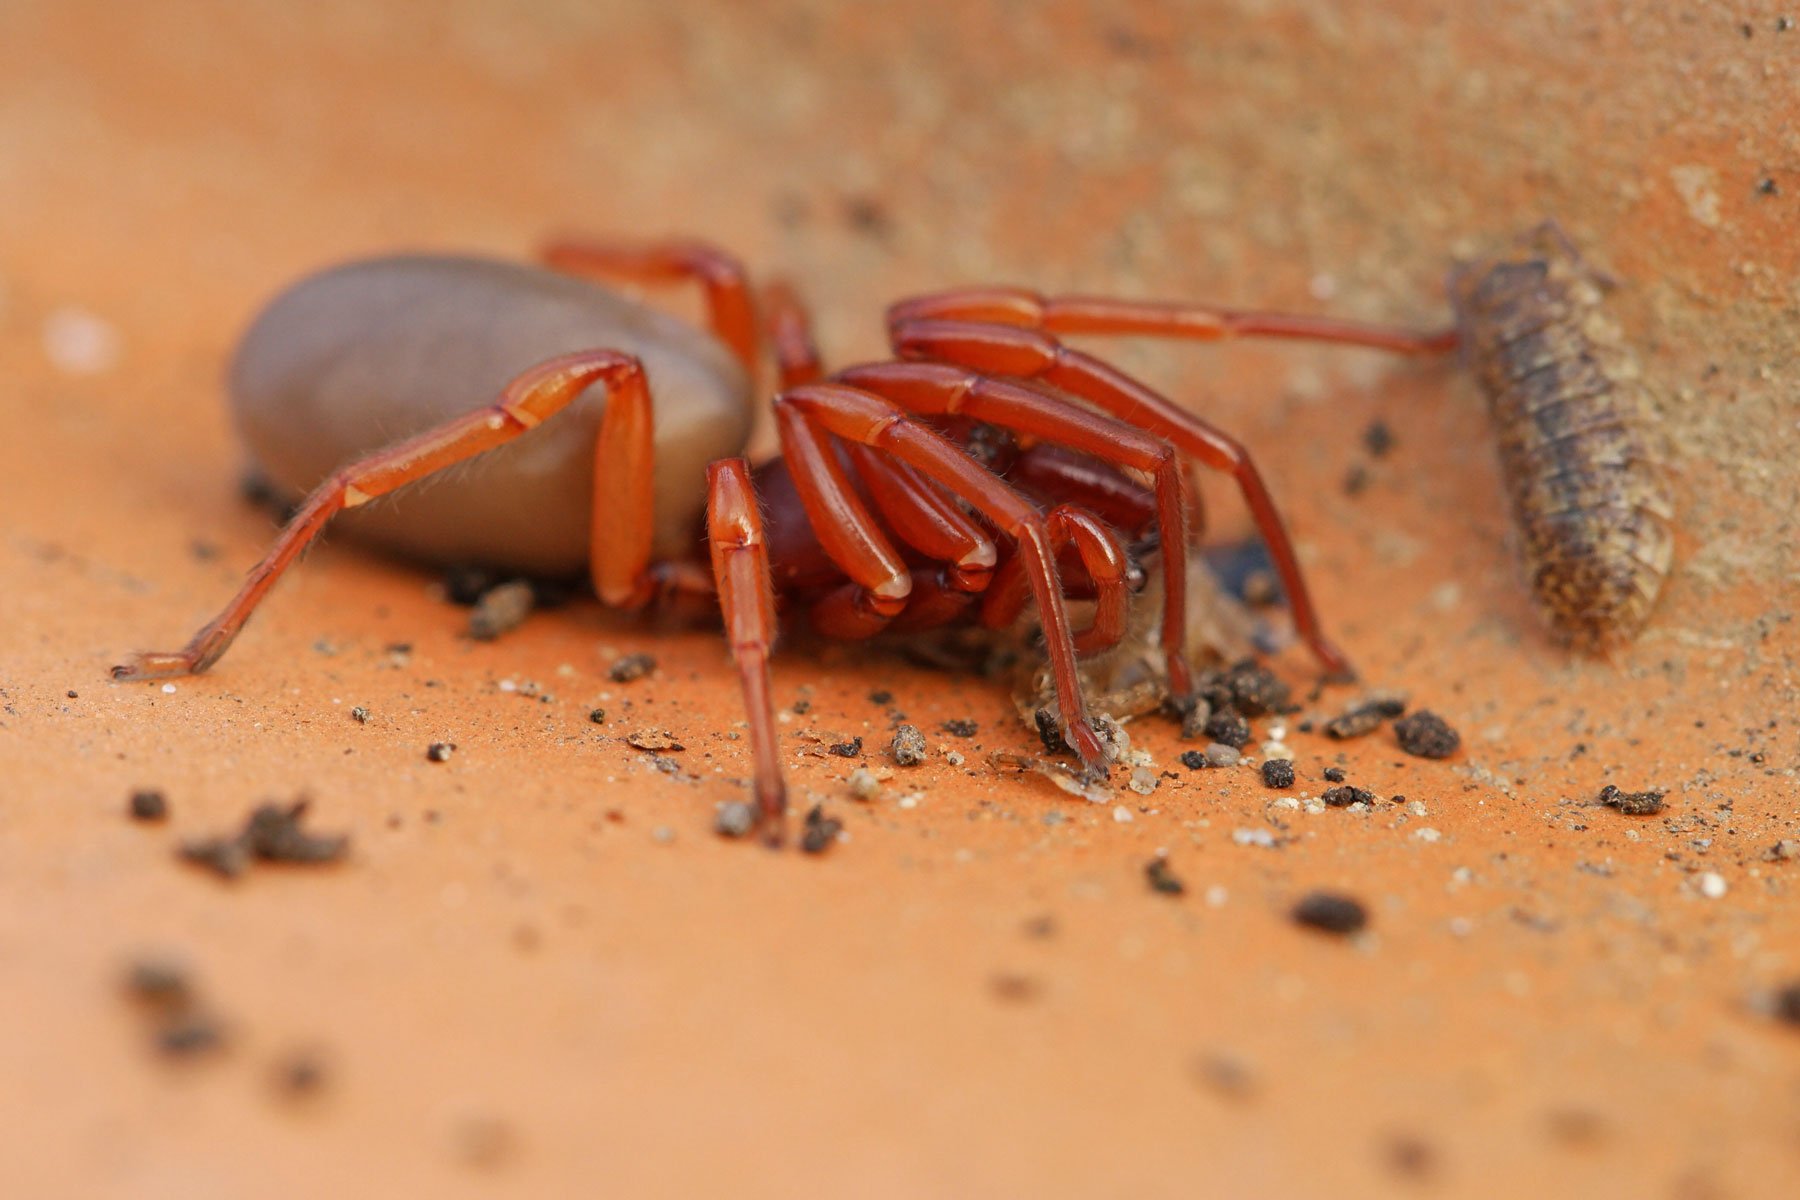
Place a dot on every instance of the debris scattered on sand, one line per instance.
(149, 804)
(1424, 734)
(1331, 912)
(1632, 804)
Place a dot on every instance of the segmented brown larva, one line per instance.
(1589, 494)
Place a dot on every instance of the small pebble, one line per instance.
(149, 804)
(1255, 690)
(1194, 760)
(1331, 912)
(864, 785)
(1278, 773)
(1334, 774)
(439, 752)
(908, 746)
(1785, 1005)
(1227, 726)
(1354, 724)
(1194, 720)
(597, 715)
(1712, 885)
(79, 343)
(500, 610)
(1162, 879)
(1218, 754)
(736, 818)
(1142, 781)
(849, 749)
(653, 739)
(1424, 734)
(360, 715)
(1344, 797)
(1121, 814)
(630, 667)
(1632, 804)
(820, 832)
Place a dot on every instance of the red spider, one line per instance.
(880, 515)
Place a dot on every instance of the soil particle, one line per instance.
(164, 988)
(820, 832)
(500, 610)
(1162, 879)
(1786, 1007)
(1194, 760)
(849, 749)
(865, 784)
(225, 857)
(1047, 730)
(360, 715)
(1015, 988)
(300, 1074)
(1226, 1075)
(1218, 754)
(160, 982)
(961, 727)
(439, 752)
(1194, 718)
(1278, 773)
(597, 716)
(149, 804)
(1331, 912)
(736, 819)
(1632, 804)
(1227, 726)
(1409, 1155)
(653, 739)
(1344, 797)
(630, 667)
(1378, 439)
(464, 586)
(271, 834)
(908, 746)
(1424, 734)
(189, 1034)
(882, 697)
(1365, 717)
(1334, 774)
(1254, 689)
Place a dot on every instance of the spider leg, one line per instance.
(740, 563)
(1040, 357)
(529, 400)
(790, 330)
(859, 416)
(730, 304)
(1102, 557)
(1023, 309)
(941, 388)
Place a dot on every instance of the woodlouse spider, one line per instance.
(878, 515)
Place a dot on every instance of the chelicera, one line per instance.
(877, 516)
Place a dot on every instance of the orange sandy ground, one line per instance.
(541, 972)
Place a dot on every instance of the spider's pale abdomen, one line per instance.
(358, 356)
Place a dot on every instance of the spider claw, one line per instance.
(151, 665)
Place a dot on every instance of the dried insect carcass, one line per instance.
(1572, 418)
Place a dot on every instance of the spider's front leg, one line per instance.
(528, 401)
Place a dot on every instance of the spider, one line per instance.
(986, 465)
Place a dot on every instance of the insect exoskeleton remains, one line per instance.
(1572, 418)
